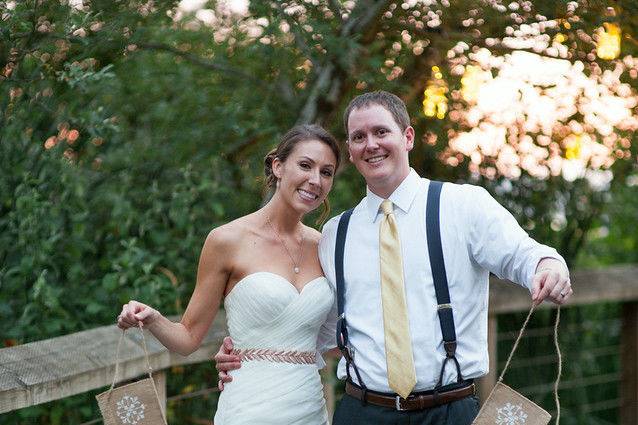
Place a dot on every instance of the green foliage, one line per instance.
(614, 238)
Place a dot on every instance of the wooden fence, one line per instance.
(60, 367)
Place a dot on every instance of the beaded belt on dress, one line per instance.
(278, 356)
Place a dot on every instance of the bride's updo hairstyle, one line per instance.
(294, 136)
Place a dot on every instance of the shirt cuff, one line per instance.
(550, 253)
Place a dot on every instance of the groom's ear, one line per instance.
(409, 138)
(348, 147)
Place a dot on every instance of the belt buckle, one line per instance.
(397, 404)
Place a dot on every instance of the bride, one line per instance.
(265, 267)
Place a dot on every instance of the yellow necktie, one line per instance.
(398, 344)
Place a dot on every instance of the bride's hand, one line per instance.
(134, 312)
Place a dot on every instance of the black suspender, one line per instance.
(435, 251)
(342, 231)
(437, 264)
(342, 329)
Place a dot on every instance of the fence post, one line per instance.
(486, 383)
(160, 383)
(629, 364)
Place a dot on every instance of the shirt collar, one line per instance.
(402, 196)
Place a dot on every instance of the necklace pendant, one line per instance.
(296, 269)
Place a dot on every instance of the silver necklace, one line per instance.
(294, 263)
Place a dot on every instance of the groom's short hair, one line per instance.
(389, 101)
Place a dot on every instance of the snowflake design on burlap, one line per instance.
(130, 410)
(511, 414)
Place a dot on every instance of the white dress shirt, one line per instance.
(478, 236)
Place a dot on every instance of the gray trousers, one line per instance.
(351, 411)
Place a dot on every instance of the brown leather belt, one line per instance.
(413, 402)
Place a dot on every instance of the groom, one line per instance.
(413, 291)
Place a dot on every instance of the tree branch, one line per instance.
(196, 60)
(308, 113)
(327, 88)
(504, 50)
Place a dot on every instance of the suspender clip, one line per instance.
(450, 348)
(348, 353)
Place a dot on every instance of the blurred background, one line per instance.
(129, 129)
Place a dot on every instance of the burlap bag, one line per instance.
(504, 406)
(132, 404)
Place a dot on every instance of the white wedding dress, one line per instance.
(267, 315)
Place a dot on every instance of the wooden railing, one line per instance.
(60, 367)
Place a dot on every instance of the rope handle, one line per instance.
(117, 356)
(560, 358)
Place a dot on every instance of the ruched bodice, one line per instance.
(265, 311)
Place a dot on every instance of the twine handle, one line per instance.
(148, 362)
(560, 358)
(117, 360)
(518, 339)
(560, 365)
(117, 357)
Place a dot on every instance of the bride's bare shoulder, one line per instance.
(231, 234)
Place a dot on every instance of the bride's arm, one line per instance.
(212, 274)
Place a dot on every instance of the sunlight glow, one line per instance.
(434, 100)
(608, 45)
(543, 116)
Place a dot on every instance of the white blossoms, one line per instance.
(130, 410)
(526, 112)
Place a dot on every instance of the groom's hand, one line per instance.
(225, 361)
(551, 282)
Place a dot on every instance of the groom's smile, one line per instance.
(376, 159)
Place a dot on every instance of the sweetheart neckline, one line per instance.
(286, 281)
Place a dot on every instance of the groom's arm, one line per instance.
(500, 245)
(326, 341)
(225, 362)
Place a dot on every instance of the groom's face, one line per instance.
(379, 148)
